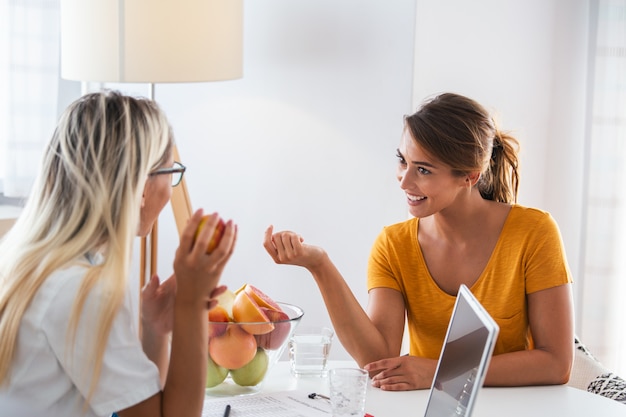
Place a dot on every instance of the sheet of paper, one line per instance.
(275, 404)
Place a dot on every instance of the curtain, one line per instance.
(29, 81)
(603, 320)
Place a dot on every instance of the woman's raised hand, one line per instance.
(288, 248)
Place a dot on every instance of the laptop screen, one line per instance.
(464, 358)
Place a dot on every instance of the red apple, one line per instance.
(217, 233)
(274, 339)
(234, 348)
(218, 321)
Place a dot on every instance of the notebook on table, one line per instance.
(464, 358)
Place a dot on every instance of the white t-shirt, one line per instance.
(45, 380)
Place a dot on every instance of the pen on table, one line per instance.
(227, 410)
(315, 395)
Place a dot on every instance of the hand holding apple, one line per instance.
(198, 275)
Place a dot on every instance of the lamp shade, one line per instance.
(155, 41)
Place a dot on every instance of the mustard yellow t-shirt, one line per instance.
(528, 257)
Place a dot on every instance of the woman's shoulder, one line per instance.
(528, 213)
(58, 290)
(401, 228)
(530, 218)
(395, 233)
(69, 275)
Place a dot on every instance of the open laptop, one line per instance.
(464, 358)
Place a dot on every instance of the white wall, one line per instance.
(306, 140)
(526, 61)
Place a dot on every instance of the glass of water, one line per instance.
(309, 347)
(348, 389)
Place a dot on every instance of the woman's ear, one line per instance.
(472, 178)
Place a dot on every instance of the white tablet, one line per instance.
(464, 358)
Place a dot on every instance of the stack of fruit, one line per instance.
(248, 332)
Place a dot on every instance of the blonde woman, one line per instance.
(459, 174)
(68, 343)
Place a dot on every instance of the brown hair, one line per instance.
(460, 133)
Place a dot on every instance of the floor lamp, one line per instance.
(147, 41)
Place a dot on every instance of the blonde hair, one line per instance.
(85, 200)
(460, 133)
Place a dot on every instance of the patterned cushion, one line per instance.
(590, 375)
(610, 386)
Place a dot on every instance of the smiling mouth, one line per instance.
(415, 197)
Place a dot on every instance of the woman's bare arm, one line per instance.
(367, 337)
(551, 319)
(197, 277)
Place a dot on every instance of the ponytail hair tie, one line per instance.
(496, 144)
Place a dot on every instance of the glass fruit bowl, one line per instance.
(241, 354)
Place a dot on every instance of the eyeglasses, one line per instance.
(176, 171)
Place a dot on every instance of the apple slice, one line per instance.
(252, 317)
(262, 299)
(226, 300)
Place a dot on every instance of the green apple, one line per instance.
(253, 372)
(215, 374)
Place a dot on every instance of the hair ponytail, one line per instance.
(500, 181)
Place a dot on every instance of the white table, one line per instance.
(541, 401)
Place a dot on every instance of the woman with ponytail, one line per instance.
(460, 176)
(69, 342)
